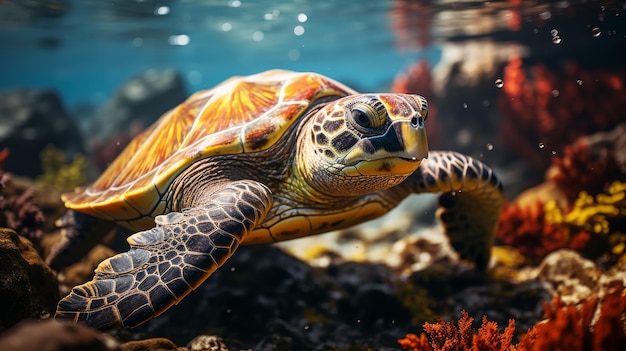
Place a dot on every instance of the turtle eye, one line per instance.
(365, 118)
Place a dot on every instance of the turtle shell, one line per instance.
(240, 115)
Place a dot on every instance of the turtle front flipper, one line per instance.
(167, 262)
(470, 205)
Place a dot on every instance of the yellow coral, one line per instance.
(58, 173)
(595, 215)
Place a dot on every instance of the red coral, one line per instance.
(542, 107)
(415, 343)
(20, 212)
(566, 328)
(525, 228)
(4, 154)
(578, 169)
(411, 23)
(445, 336)
(570, 327)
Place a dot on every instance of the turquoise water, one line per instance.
(87, 49)
(95, 46)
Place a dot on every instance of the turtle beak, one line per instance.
(404, 139)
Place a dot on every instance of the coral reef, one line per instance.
(19, 211)
(540, 106)
(524, 227)
(58, 173)
(592, 225)
(445, 336)
(567, 327)
(578, 169)
(603, 216)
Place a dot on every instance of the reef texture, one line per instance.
(540, 106)
(60, 174)
(566, 327)
(581, 205)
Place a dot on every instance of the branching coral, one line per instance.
(445, 336)
(603, 215)
(565, 328)
(570, 327)
(526, 229)
(19, 212)
(551, 109)
(579, 170)
(60, 175)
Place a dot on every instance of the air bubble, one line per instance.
(579, 82)
(555, 93)
(298, 30)
(489, 147)
(596, 32)
(499, 83)
(556, 39)
(465, 105)
(542, 145)
(44, 314)
(257, 36)
(554, 32)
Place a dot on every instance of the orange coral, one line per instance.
(579, 170)
(526, 229)
(415, 343)
(445, 336)
(570, 327)
(565, 328)
(543, 107)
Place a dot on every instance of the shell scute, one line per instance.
(243, 114)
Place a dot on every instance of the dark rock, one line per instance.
(136, 105)
(154, 344)
(55, 336)
(265, 299)
(28, 287)
(30, 120)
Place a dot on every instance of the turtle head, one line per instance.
(364, 143)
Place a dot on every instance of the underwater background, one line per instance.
(535, 89)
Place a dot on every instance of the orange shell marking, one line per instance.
(242, 114)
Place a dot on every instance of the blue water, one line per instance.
(95, 46)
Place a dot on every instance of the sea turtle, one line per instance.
(258, 159)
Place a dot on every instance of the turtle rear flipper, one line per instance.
(79, 234)
(167, 262)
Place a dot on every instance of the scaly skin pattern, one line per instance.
(470, 203)
(343, 161)
(166, 262)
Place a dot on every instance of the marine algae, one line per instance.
(60, 174)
